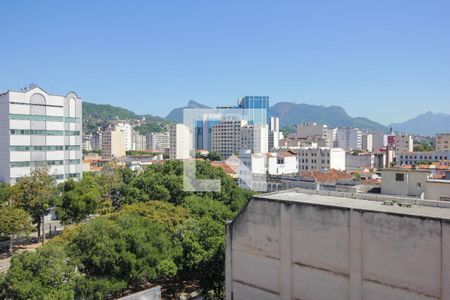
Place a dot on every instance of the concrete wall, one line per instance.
(437, 190)
(412, 185)
(294, 250)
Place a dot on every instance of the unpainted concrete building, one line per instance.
(312, 245)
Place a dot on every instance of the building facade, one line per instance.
(226, 137)
(323, 245)
(113, 142)
(306, 130)
(442, 142)
(404, 143)
(321, 159)
(414, 158)
(349, 138)
(40, 129)
(158, 140)
(181, 142)
(367, 142)
(255, 108)
(255, 138)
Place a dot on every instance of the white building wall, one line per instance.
(40, 129)
(181, 142)
(320, 159)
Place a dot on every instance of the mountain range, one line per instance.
(290, 114)
(293, 114)
(425, 124)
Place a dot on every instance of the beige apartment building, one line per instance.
(442, 142)
(113, 142)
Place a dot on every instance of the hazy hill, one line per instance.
(425, 124)
(176, 115)
(295, 113)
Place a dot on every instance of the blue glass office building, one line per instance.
(256, 108)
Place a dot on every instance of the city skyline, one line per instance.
(152, 57)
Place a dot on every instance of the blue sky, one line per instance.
(388, 60)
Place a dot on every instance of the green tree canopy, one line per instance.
(14, 221)
(131, 249)
(78, 200)
(47, 273)
(36, 194)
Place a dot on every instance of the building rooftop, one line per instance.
(367, 202)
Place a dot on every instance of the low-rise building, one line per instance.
(437, 189)
(254, 167)
(321, 158)
(415, 157)
(359, 161)
(404, 182)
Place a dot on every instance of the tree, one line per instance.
(423, 147)
(78, 200)
(4, 192)
(214, 156)
(164, 213)
(14, 221)
(36, 194)
(47, 273)
(129, 250)
(203, 259)
(207, 207)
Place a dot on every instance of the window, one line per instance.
(36, 117)
(399, 177)
(444, 198)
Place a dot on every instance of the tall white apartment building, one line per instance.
(40, 129)
(274, 134)
(442, 142)
(139, 141)
(86, 146)
(158, 140)
(255, 138)
(311, 158)
(306, 130)
(226, 137)
(404, 143)
(330, 137)
(349, 138)
(367, 142)
(181, 142)
(127, 129)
